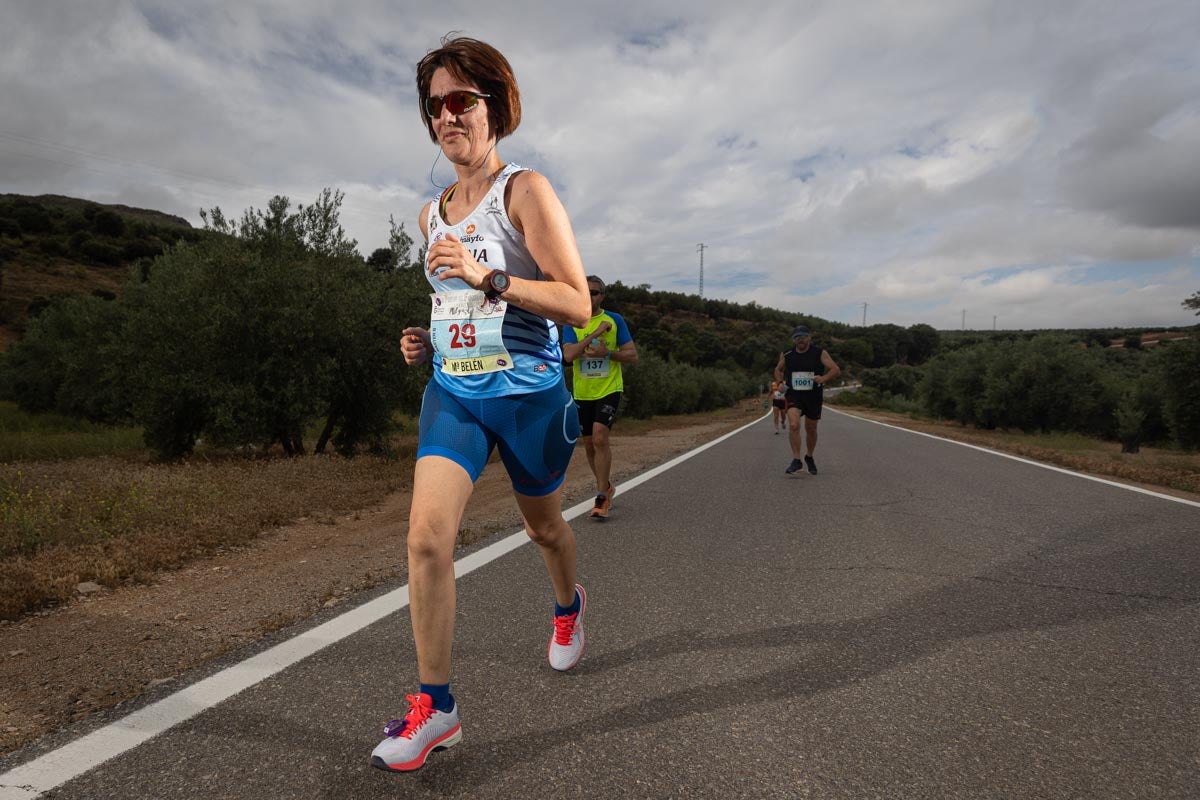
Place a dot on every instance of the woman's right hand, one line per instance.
(415, 345)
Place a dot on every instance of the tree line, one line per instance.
(272, 329)
(1053, 382)
(268, 330)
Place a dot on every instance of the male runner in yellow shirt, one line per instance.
(597, 353)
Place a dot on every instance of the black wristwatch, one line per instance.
(496, 283)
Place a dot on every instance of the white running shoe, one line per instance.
(566, 645)
(410, 740)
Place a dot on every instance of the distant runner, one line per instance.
(805, 369)
(779, 405)
(597, 353)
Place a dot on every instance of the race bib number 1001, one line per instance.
(802, 381)
(466, 330)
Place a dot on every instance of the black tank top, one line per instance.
(808, 361)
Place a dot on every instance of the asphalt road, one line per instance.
(919, 620)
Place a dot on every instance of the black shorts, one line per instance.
(603, 411)
(781, 404)
(808, 402)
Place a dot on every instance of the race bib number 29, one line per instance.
(466, 330)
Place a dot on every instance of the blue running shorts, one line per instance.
(535, 432)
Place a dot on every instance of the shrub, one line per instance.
(53, 246)
(897, 380)
(656, 386)
(101, 252)
(142, 248)
(109, 223)
(248, 336)
(1180, 375)
(63, 363)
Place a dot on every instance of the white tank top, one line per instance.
(532, 340)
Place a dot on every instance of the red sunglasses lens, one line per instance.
(457, 102)
(461, 102)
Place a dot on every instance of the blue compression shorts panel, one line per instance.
(535, 432)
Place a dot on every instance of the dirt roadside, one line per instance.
(98, 652)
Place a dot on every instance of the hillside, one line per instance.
(52, 245)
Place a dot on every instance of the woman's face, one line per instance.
(465, 138)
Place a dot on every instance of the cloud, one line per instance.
(919, 157)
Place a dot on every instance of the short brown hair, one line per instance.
(472, 61)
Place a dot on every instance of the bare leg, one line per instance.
(601, 462)
(550, 532)
(441, 489)
(793, 415)
(810, 430)
(589, 447)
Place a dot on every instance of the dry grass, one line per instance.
(112, 520)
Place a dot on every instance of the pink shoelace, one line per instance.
(420, 709)
(564, 628)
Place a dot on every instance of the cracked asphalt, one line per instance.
(919, 620)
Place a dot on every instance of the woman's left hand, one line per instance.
(454, 260)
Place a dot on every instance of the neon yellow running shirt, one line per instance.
(594, 378)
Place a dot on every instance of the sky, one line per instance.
(959, 163)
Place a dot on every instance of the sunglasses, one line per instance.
(595, 292)
(458, 103)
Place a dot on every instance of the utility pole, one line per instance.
(993, 330)
(700, 249)
(864, 322)
(964, 321)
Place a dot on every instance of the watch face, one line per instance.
(499, 281)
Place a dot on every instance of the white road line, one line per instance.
(1050, 467)
(55, 768)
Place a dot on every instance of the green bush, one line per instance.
(142, 248)
(53, 246)
(1050, 382)
(101, 252)
(874, 397)
(894, 380)
(1180, 375)
(656, 386)
(64, 362)
(108, 223)
(31, 217)
(248, 335)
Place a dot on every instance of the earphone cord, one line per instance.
(431, 166)
(439, 155)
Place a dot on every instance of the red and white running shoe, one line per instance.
(409, 741)
(566, 645)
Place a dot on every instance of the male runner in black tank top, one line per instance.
(805, 369)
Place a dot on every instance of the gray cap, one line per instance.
(800, 330)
